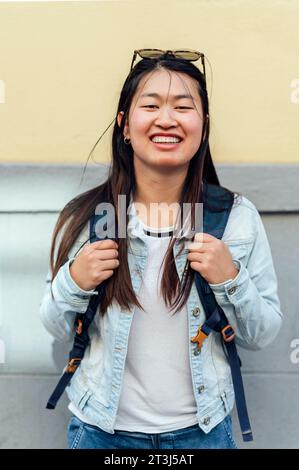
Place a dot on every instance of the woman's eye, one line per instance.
(154, 106)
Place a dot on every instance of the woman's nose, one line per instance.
(165, 116)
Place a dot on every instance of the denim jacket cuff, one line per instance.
(233, 289)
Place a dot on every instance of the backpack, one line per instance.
(217, 206)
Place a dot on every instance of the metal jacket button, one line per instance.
(232, 290)
(206, 421)
(196, 312)
(201, 388)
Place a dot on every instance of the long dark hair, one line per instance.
(121, 180)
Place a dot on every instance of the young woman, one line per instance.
(142, 382)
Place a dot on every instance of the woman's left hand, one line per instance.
(211, 258)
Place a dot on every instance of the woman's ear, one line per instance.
(119, 120)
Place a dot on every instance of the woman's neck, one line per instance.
(154, 186)
(149, 194)
(156, 199)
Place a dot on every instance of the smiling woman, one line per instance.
(157, 366)
(165, 122)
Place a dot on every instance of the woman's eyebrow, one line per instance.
(174, 97)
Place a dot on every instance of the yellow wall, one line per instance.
(62, 65)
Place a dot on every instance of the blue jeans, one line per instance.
(84, 436)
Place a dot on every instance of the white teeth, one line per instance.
(165, 139)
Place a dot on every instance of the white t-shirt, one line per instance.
(157, 394)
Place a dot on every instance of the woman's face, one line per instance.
(159, 109)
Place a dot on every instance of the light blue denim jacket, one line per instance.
(250, 302)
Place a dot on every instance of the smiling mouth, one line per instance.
(166, 140)
(166, 143)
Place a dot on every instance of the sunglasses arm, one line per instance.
(133, 60)
(203, 65)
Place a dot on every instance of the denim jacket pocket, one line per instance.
(240, 250)
(81, 400)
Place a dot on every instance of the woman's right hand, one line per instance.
(94, 264)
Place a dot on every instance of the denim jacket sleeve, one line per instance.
(58, 312)
(250, 301)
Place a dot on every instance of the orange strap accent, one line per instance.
(199, 338)
(230, 338)
(72, 367)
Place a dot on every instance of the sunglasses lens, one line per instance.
(187, 55)
(150, 53)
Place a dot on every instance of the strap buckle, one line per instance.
(228, 333)
(199, 338)
(73, 365)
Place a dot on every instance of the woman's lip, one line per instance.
(163, 146)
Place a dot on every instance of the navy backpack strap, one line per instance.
(217, 206)
(81, 339)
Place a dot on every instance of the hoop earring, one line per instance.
(127, 141)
